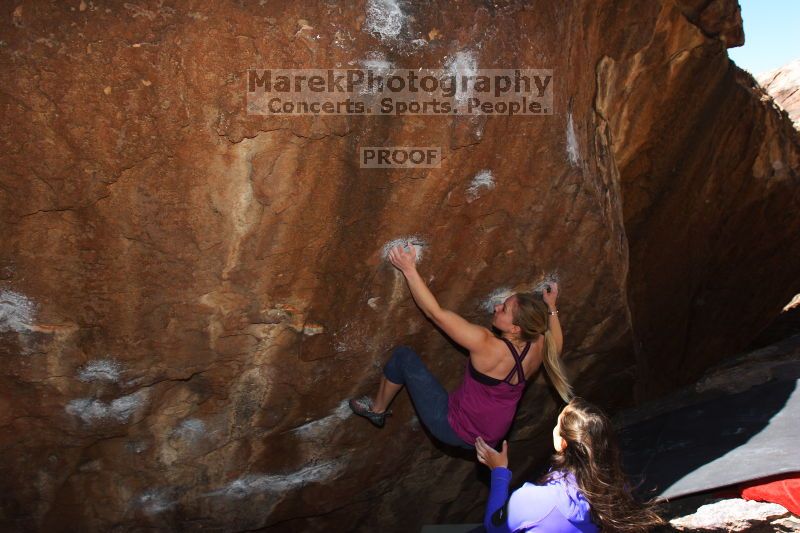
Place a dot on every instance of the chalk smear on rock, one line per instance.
(323, 426)
(547, 281)
(100, 370)
(17, 312)
(251, 484)
(483, 180)
(462, 65)
(498, 296)
(573, 150)
(377, 63)
(156, 501)
(92, 410)
(384, 19)
(415, 241)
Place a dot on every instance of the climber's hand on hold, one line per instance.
(404, 260)
(550, 294)
(491, 457)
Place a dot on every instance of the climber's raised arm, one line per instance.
(550, 295)
(469, 335)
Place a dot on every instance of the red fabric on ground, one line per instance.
(783, 490)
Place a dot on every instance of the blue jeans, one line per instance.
(429, 397)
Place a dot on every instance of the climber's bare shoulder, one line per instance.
(491, 352)
(496, 361)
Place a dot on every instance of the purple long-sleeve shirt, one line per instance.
(557, 507)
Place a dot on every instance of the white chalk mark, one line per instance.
(415, 241)
(482, 180)
(323, 426)
(573, 150)
(277, 483)
(497, 297)
(376, 62)
(156, 501)
(462, 65)
(384, 18)
(355, 337)
(91, 410)
(17, 312)
(547, 280)
(100, 370)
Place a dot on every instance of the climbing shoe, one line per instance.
(363, 407)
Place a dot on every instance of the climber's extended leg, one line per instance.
(429, 397)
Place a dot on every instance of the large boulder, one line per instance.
(189, 293)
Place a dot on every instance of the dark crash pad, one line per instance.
(716, 442)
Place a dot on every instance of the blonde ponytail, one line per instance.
(531, 315)
(552, 365)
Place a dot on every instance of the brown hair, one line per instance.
(532, 318)
(592, 456)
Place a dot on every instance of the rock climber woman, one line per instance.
(498, 367)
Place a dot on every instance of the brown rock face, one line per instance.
(189, 293)
(720, 19)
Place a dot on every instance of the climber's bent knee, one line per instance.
(398, 365)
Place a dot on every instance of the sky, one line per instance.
(772, 35)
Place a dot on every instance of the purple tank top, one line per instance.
(483, 406)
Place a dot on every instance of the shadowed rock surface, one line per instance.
(737, 424)
(715, 503)
(188, 294)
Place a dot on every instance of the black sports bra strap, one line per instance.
(517, 361)
(510, 347)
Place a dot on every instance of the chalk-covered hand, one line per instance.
(491, 457)
(404, 260)
(550, 294)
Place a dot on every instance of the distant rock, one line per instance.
(783, 84)
(738, 515)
